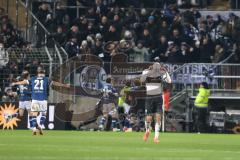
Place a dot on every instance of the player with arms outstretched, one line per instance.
(154, 77)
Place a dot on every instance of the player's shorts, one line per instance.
(153, 104)
(25, 105)
(38, 106)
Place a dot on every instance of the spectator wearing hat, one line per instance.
(201, 107)
(151, 25)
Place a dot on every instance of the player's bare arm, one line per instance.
(24, 82)
(58, 84)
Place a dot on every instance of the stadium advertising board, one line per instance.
(187, 74)
(56, 118)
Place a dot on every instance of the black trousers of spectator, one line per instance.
(201, 119)
(40, 36)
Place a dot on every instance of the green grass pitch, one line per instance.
(74, 145)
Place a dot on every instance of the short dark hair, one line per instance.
(205, 85)
(128, 83)
(109, 80)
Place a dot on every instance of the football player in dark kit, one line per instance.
(154, 77)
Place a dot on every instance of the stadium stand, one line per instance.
(9, 38)
(172, 34)
(175, 32)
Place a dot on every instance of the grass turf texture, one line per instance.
(73, 145)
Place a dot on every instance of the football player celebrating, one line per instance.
(24, 92)
(39, 87)
(39, 93)
(154, 77)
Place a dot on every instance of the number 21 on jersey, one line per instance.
(38, 84)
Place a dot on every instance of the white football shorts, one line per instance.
(38, 106)
(25, 105)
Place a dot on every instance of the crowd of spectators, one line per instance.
(169, 34)
(106, 27)
(9, 36)
(11, 66)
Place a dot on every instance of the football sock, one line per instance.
(129, 124)
(42, 120)
(126, 123)
(30, 121)
(114, 123)
(33, 121)
(102, 121)
(157, 127)
(147, 126)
